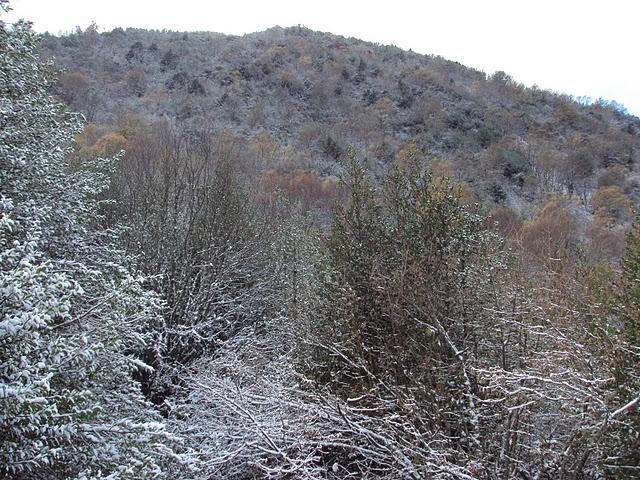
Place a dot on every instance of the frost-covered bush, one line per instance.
(71, 313)
(249, 414)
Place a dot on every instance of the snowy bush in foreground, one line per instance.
(250, 415)
(71, 312)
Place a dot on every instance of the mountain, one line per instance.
(302, 98)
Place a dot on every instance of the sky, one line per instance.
(587, 48)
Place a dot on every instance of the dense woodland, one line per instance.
(296, 255)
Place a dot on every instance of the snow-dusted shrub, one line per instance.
(71, 313)
(249, 414)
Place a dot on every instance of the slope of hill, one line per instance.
(306, 96)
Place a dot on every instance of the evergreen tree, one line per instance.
(624, 423)
(71, 313)
(401, 297)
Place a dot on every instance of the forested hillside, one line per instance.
(295, 255)
(292, 101)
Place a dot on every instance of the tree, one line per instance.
(612, 203)
(401, 301)
(72, 314)
(207, 244)
(552, 234)
(623, 428)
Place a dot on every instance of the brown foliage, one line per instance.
(265, 148)
(553, 233)
(72, 85)
(615, 175)
(611, 202)
(505, 221)
(604, 242)
(105, 146)
(304, 186)
(136, 82)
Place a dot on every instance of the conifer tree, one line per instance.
(624, 422)
(71, 313)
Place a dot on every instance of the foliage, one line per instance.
(611, 202)
(625, 423)
(207, 246)
(401, 294)
(552, 234)
(494, 131)
(72, 313)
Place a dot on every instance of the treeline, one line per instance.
(194, 308)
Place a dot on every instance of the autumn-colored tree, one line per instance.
(547, 166)
(265, 148)
(605, 242)
(615, 175)
(432, 115)
(552, 235)
(611, 202)
(505, 221)
(72, 86)
(382, 110)
(107, 145)
(305, 187)
(135, 82)
(77, 90)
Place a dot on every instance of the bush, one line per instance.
(611, 202)
(392, 316)
(72, 313)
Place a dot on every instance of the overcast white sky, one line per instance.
(585, 48)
